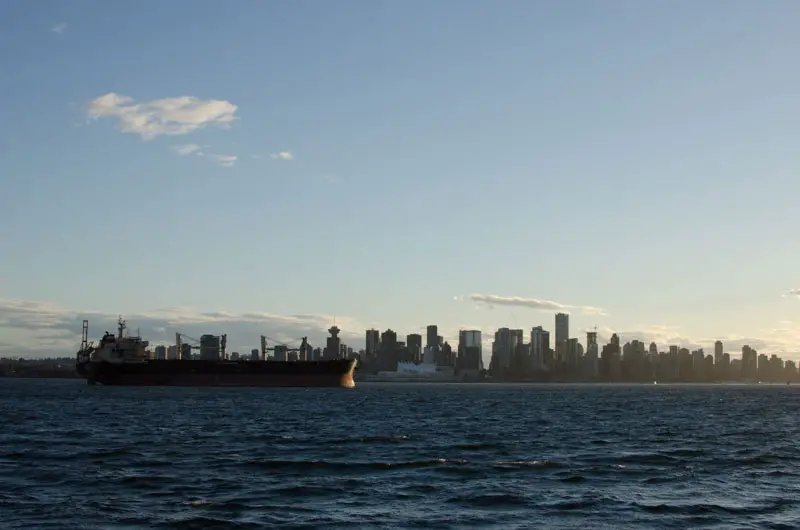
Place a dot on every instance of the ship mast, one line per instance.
(85, 336)
(121, 325)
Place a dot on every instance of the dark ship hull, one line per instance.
(334, 373)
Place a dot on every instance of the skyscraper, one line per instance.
(505, 342)
(718, 352)
(470, 355)
(414, 345)
(538, 347)
(562, 335)
(373, 342)
(591, 339)
(592, 359)
(562, 327)
(432, 336)
(333, 343)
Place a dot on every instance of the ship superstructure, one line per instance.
(122, 348)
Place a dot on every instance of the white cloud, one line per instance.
(224, 160)
(793, 292)
(187, 149)
(168, 116)
(33, 328)
(38, 329)
(531, 303)
(194, 149)
(282, 155)
(781, 340)
(59, 28)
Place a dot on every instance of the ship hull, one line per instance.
(196, 373)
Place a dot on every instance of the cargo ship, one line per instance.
(123, 359)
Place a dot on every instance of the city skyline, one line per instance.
(270, 167)
(55, 331)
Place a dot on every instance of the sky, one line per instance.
(273, 167)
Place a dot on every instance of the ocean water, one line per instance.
(399, 456)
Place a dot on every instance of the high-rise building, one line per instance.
(562, 335)
(562, 327)
(172, 352)
(373, 342)
(280, 352)
(161, 352)
(519, 336)
(503, 348)
(749, 363)
(414, 345)
(387, 355)
(718, 352)
(592, 360)
(539, 347)
(574, 353)
(470, 354)
(432, 336)
(209, 347)
(333, 344)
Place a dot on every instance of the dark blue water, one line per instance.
(398, 456)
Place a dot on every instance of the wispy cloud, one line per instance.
(38, 328)
(793, 292)
(532, 303)
(282, 155)
(168, 116)
(187, 149)
(781, 340)
(257, 157)
(331, 179)
(224, 160)
(34, 328)
(198, 150)
(59, 28)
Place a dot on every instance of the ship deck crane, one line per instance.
(179, 343)
(282, 346)
(196, 346)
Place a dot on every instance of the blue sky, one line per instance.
(638, 157)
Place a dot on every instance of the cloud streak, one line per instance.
(37, 328)
(168, 116)
(224, 160)
(793, 292)
(194, 149)
(282, 155)
(187, 149)
(532, 303)
(59, 28)
(782, 340)
(34, 328)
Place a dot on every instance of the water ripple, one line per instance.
(399, 456)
